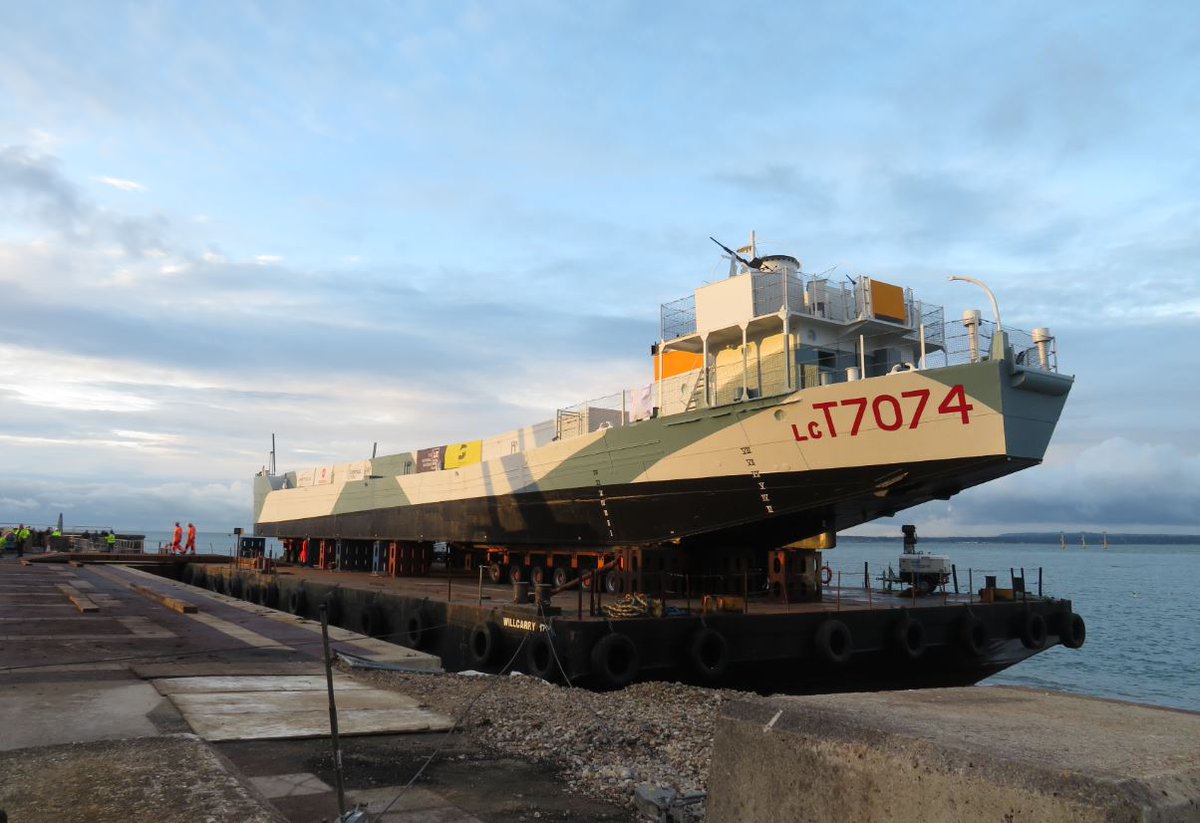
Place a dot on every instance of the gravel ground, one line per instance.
(162, 779)
(601, 744)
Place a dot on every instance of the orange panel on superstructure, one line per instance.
(888, 301)
(676, 362)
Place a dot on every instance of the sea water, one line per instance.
(1139, 603)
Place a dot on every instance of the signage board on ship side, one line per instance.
(430, 460)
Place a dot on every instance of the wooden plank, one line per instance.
(172, 603)
(84, 604)
(77, 564)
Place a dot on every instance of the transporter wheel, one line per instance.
(614, 583)
(908, 637)
(615, 660)
(537, 575)
(297, 600)
(973, 635)
(516, 572)
(1074, 631)
(414, 629)
(540, 658)
(483, 644)
(1033, 631)
(560, 576)
(495, 573)
(708, 653)
(834, 642)
(587, 579)
(373, 620)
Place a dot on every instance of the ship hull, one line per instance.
(755, 474)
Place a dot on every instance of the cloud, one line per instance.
(123, 185)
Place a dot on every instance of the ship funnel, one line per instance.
(970, 319)
(1042, 337)
(779, 263)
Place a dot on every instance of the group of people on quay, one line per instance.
(177, 544)
(22, 538)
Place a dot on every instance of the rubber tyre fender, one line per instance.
(973, 636)
(271, 596)
(297, 600)
(540, 657)
(834, 642)
(373, 620)
(200, 579)
(218, 583)
(1033, 631)
(415, 628)
(250, 593)
(708, 653)
(235, 585)
(483, 643)
(261, 592)
(560, 576)
(908, 637)
(495, 572)
(1074, 631)
(615, 660)
(333, 607)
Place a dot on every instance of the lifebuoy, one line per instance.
(1074, 631)
(826, 575)
(615, 660)
(483, 643)
(834, 642)
(708, 653)
(909, 637)
(1033, 631)
(973, 635)
(540, 658)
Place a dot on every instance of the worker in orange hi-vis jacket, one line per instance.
(177, 542)
(191, 540)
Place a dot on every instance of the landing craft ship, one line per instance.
(784, 408)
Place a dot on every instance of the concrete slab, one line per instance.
(78, 711)
(254, 683)
(954, 754)
(293, 701)
(218, 709)
(290, 785)
(151, 671)
(411, 805)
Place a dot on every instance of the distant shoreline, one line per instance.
(1072, 538)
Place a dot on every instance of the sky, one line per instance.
(413, 223)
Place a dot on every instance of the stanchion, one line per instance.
(333, 724)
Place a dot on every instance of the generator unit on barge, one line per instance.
(784, 407)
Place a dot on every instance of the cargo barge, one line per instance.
(785, 407)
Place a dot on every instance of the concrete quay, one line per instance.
(949, 755)
(126, 696)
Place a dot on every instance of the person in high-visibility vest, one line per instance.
(111, 540)
(191, 541)
(177, 542)
(23, 534)
(304, 552)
